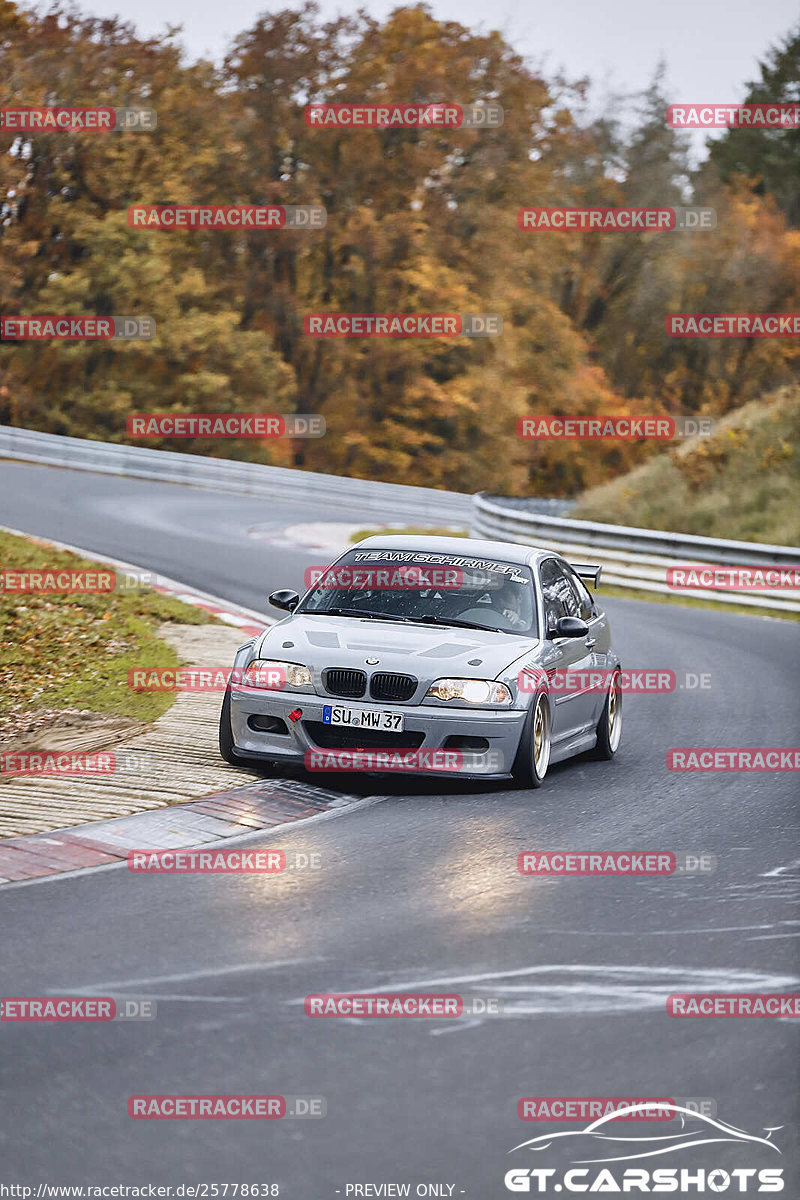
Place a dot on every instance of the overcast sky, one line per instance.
(711, 47)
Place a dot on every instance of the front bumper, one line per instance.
(500, 728)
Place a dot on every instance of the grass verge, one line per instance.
(743, 610)
(73, 651)
(742, 482)
(394, 530)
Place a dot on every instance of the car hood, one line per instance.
(426, 651)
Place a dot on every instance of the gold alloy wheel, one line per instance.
(614, 713)
(541, 738)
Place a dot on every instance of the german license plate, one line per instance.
(362, 718)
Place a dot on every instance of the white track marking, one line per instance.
(186, 976)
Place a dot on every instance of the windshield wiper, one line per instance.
(431, 620)
(445, 621)
(350, 612)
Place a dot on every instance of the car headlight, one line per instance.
(266, 673)
(471, 691)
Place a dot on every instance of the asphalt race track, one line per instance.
(417, 891)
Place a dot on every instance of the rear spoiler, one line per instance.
(588, 571)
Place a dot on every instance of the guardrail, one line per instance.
(632, 558)
(385, 500)
(636, 558)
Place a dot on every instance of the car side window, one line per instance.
(586, 606)
(560, 598)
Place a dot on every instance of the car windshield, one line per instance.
(426, 588)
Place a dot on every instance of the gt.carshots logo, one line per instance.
(601, 1148)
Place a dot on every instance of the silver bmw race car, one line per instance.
(430, 654)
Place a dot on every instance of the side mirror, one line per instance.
(286, 599)
(570, 627)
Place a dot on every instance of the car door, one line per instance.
(574, 706)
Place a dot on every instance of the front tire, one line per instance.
(533, 755)
(609, 727)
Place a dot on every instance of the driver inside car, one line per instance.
(508, 603)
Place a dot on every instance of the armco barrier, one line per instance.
(386, 500)
(635, 558)
(632, 558)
